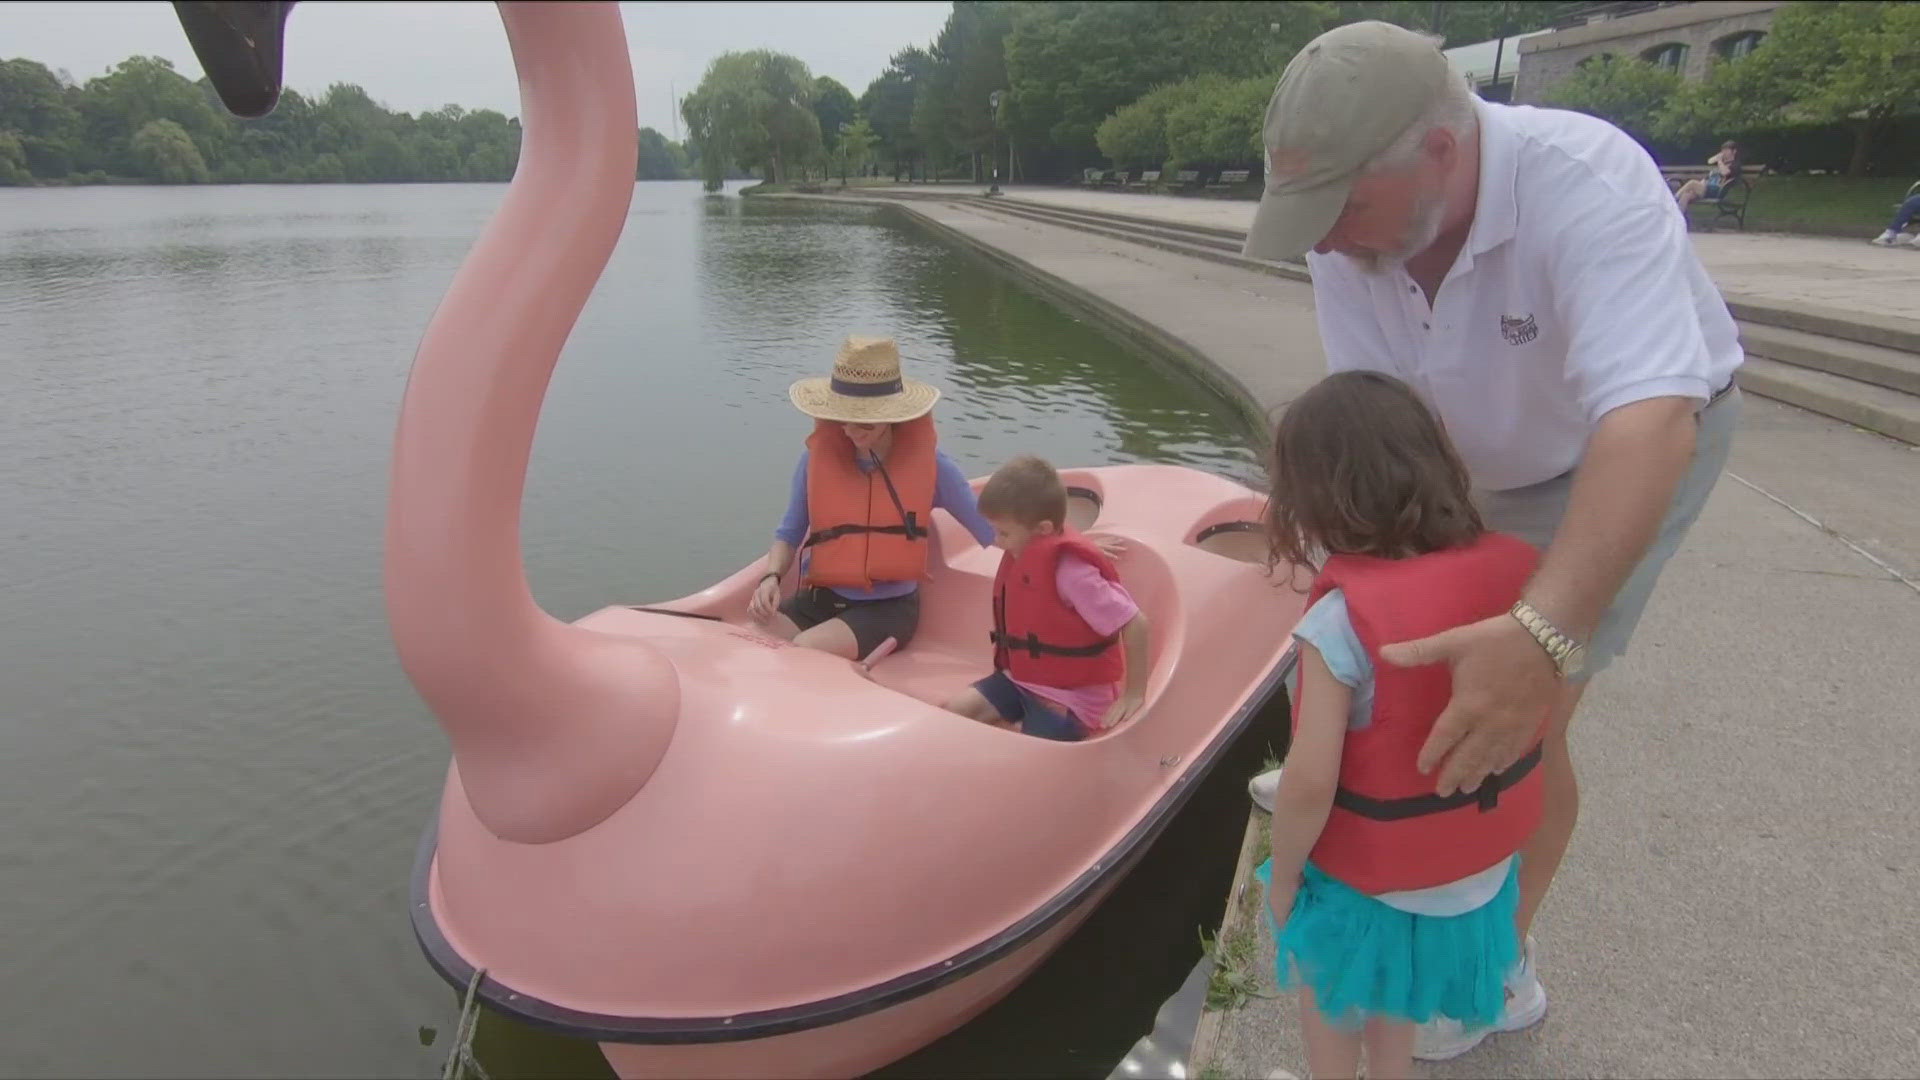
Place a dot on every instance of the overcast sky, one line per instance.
(415, 56)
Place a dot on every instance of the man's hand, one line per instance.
(1504, 685)
(1113, 546)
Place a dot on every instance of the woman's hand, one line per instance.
(766, 599)
(1110, 545)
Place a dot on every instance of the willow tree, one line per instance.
(755, 109)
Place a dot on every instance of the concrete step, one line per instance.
(1874, 364)
(1886, 331)
(1864, 405)
(1815, 359)
(1190, 246)
(1213, 231)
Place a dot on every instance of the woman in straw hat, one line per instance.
(861, 505)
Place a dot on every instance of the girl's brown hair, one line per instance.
(1361, 467)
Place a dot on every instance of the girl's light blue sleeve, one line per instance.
(952, 493)
(1328, 628)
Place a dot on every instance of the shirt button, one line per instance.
(1413, 288)
(1426, 326)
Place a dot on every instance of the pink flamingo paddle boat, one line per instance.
(711, 852)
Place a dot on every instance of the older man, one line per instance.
(1526, 271)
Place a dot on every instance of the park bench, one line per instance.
(1186, 178)
(1231, 178)
(1732, 201)
(1147, 179)
(1114, 178)
(1090, 177)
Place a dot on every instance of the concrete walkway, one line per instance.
(1743, 895)
(1851, 275)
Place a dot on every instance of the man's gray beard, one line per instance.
(1422, 231)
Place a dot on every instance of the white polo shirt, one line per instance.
(1577, 291)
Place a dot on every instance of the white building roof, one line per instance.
(1476, 61)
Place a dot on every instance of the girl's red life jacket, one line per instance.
(1388, 831)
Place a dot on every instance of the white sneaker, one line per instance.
(1915, 242)
(1262, 788)
(1885, 239)
(1443, 1039)
(1282, 1074)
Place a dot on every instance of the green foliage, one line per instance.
(1853, 64)
(889, 101)
(145, 121)
(165, 152)
(756, 109)
(953, 112)
(1628, 92)
(13, 160)
(833, 105)
(1219, 124)
(660, 158)
(1460, 22)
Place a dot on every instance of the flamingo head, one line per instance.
(241, 44)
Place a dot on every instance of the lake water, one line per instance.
(214, 773)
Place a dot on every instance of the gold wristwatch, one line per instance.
(1569, 656)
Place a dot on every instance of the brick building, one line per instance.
(1682, 36)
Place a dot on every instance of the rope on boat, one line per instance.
(460, 1058)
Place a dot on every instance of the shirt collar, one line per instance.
(1495, 211)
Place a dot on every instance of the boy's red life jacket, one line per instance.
(1037, 638)
(1388, 831)
(868, 526)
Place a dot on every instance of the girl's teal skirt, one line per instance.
(1364, 959)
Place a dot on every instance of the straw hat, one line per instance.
(865, 388)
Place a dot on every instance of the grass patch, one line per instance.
(1854, 207)
(1234, 980)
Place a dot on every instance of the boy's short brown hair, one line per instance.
(1026, 491)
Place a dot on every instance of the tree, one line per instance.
(1219, 123)
(1071, 65)
(1629, 93)
(1135, 136)
(13, 160)
(756, 108)
(166, 153)
(1854, 64)
(1459, 22)
(660, 157)
(888, 106)
(833, 105)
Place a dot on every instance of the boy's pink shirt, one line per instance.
(1106, 606)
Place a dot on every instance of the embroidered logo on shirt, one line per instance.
(1518, 331)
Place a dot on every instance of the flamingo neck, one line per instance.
(505, 679)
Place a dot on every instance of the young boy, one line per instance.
(1070, 645)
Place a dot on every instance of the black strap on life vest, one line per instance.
(1031, 643)
(912, 529)
(1487, 796)
(1035, 648)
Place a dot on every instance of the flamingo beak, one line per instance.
(240, 43)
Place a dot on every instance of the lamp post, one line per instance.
(993, 103)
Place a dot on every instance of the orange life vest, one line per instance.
(1037, 638)
(1388, 831)
(868, 526)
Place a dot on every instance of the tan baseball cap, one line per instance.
(1342, 101)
